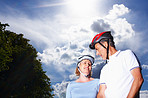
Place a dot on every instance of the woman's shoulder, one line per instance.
(96, 80)
(71, 82)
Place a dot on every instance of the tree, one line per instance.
(21, 73)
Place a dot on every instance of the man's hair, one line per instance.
(111, 42)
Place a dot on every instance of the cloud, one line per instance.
(144, 94)
(73, 77)
(40, 32)
(118, 10)
(60, 89)
(100, 26)
(145, 67)
(51, 5)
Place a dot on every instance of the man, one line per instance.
(121, 77)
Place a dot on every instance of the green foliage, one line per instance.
(5, 48)
(21, 74)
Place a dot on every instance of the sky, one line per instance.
(61, 31)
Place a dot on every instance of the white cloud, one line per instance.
(60, 89)
(73, 77)
(118, 10)
(145, 66)
(144, 94)
(50, 5)
(123, 30)
(40, 32)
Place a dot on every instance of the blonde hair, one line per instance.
(77, 72)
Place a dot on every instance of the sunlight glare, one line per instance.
(82, 7)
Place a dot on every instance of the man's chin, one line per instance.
(104, 58)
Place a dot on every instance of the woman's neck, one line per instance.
(83, 79)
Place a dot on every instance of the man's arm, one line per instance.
(138, 80)
(101, 93)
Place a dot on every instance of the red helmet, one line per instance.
(99, 37)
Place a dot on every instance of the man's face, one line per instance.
(100, 50)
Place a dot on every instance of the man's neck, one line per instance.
(112, 51)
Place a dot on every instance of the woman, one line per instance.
(84, 86)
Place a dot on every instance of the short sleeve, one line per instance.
(102, 76)
(98, 84)
(68, 94)
(131, 60)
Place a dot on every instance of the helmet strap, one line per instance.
(102, 45)
(83, 73)
(107, 49)
(107, 57)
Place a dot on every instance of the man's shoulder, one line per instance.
(126, 52)
(105, 67)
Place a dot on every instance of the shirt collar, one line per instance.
(114, 55)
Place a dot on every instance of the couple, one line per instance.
(120, 78)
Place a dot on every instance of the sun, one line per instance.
(82, 7)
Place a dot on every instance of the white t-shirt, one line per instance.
(116, 74)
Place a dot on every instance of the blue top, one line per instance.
(83, 90)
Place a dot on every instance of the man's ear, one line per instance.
(105, 44)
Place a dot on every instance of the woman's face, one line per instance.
(85, 66)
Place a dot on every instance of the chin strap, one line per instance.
(107, 57)
(107, 49)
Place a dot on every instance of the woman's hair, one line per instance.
(77, 72)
